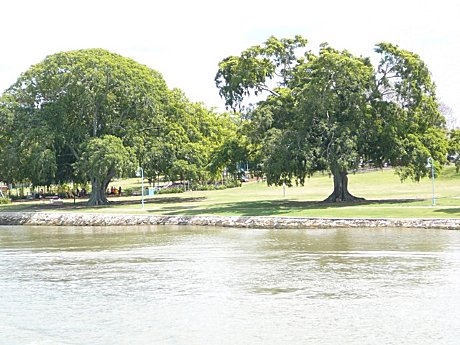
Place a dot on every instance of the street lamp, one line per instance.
(430, 164)
(140, 172)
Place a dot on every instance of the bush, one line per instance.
(218, 185)
(202, 187)
(4, 201)
(128, 192)
(171, 190)
(232, 183)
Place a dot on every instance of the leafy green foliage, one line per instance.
(334, 111)
(4, 201)
(52, 118)
(228, 156)
(56, 108)
(454, 147)
(181, 148)
(173, 190)
(106, 157)
(239, 76)
(407, 108)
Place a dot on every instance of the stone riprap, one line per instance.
(266, 222)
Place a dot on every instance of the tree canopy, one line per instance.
(334, 111)
(71, 98)
(92, 115)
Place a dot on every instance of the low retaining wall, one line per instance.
(85, 219)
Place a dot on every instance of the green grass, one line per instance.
(386, 197)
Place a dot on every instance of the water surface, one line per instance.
(196, 285)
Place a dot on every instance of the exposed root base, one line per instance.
(97, 202)
(346, 198)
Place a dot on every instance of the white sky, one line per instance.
(185, 39)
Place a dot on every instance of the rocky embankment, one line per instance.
(85, 219)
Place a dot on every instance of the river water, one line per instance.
(197, 285)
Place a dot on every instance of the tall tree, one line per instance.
(62, 104)
(333, 110)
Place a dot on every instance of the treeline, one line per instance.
(91, 115)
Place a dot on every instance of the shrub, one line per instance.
(4, 201)
(218, 185)
(202, 187)
(232, 183)
(128, 192)
(171, 190)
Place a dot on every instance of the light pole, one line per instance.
(430, 164)
(140, 172)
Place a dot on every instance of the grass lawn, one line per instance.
(386, 197)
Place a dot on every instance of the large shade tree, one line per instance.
(91, 115)
(60, 113)
(333, 111)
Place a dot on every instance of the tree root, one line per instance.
(347, 197)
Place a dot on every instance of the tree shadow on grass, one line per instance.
(270, 207)
(195, 207)
(166, 200)
(81, 204)
(453, 210)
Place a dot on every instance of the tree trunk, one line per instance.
(341, 192)
(98, 188)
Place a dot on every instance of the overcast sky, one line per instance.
(185, 39)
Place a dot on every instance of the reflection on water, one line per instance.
(189, 285)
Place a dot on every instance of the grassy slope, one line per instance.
(385, 195)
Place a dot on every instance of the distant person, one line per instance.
(119, 191)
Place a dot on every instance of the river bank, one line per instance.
(265, 222)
